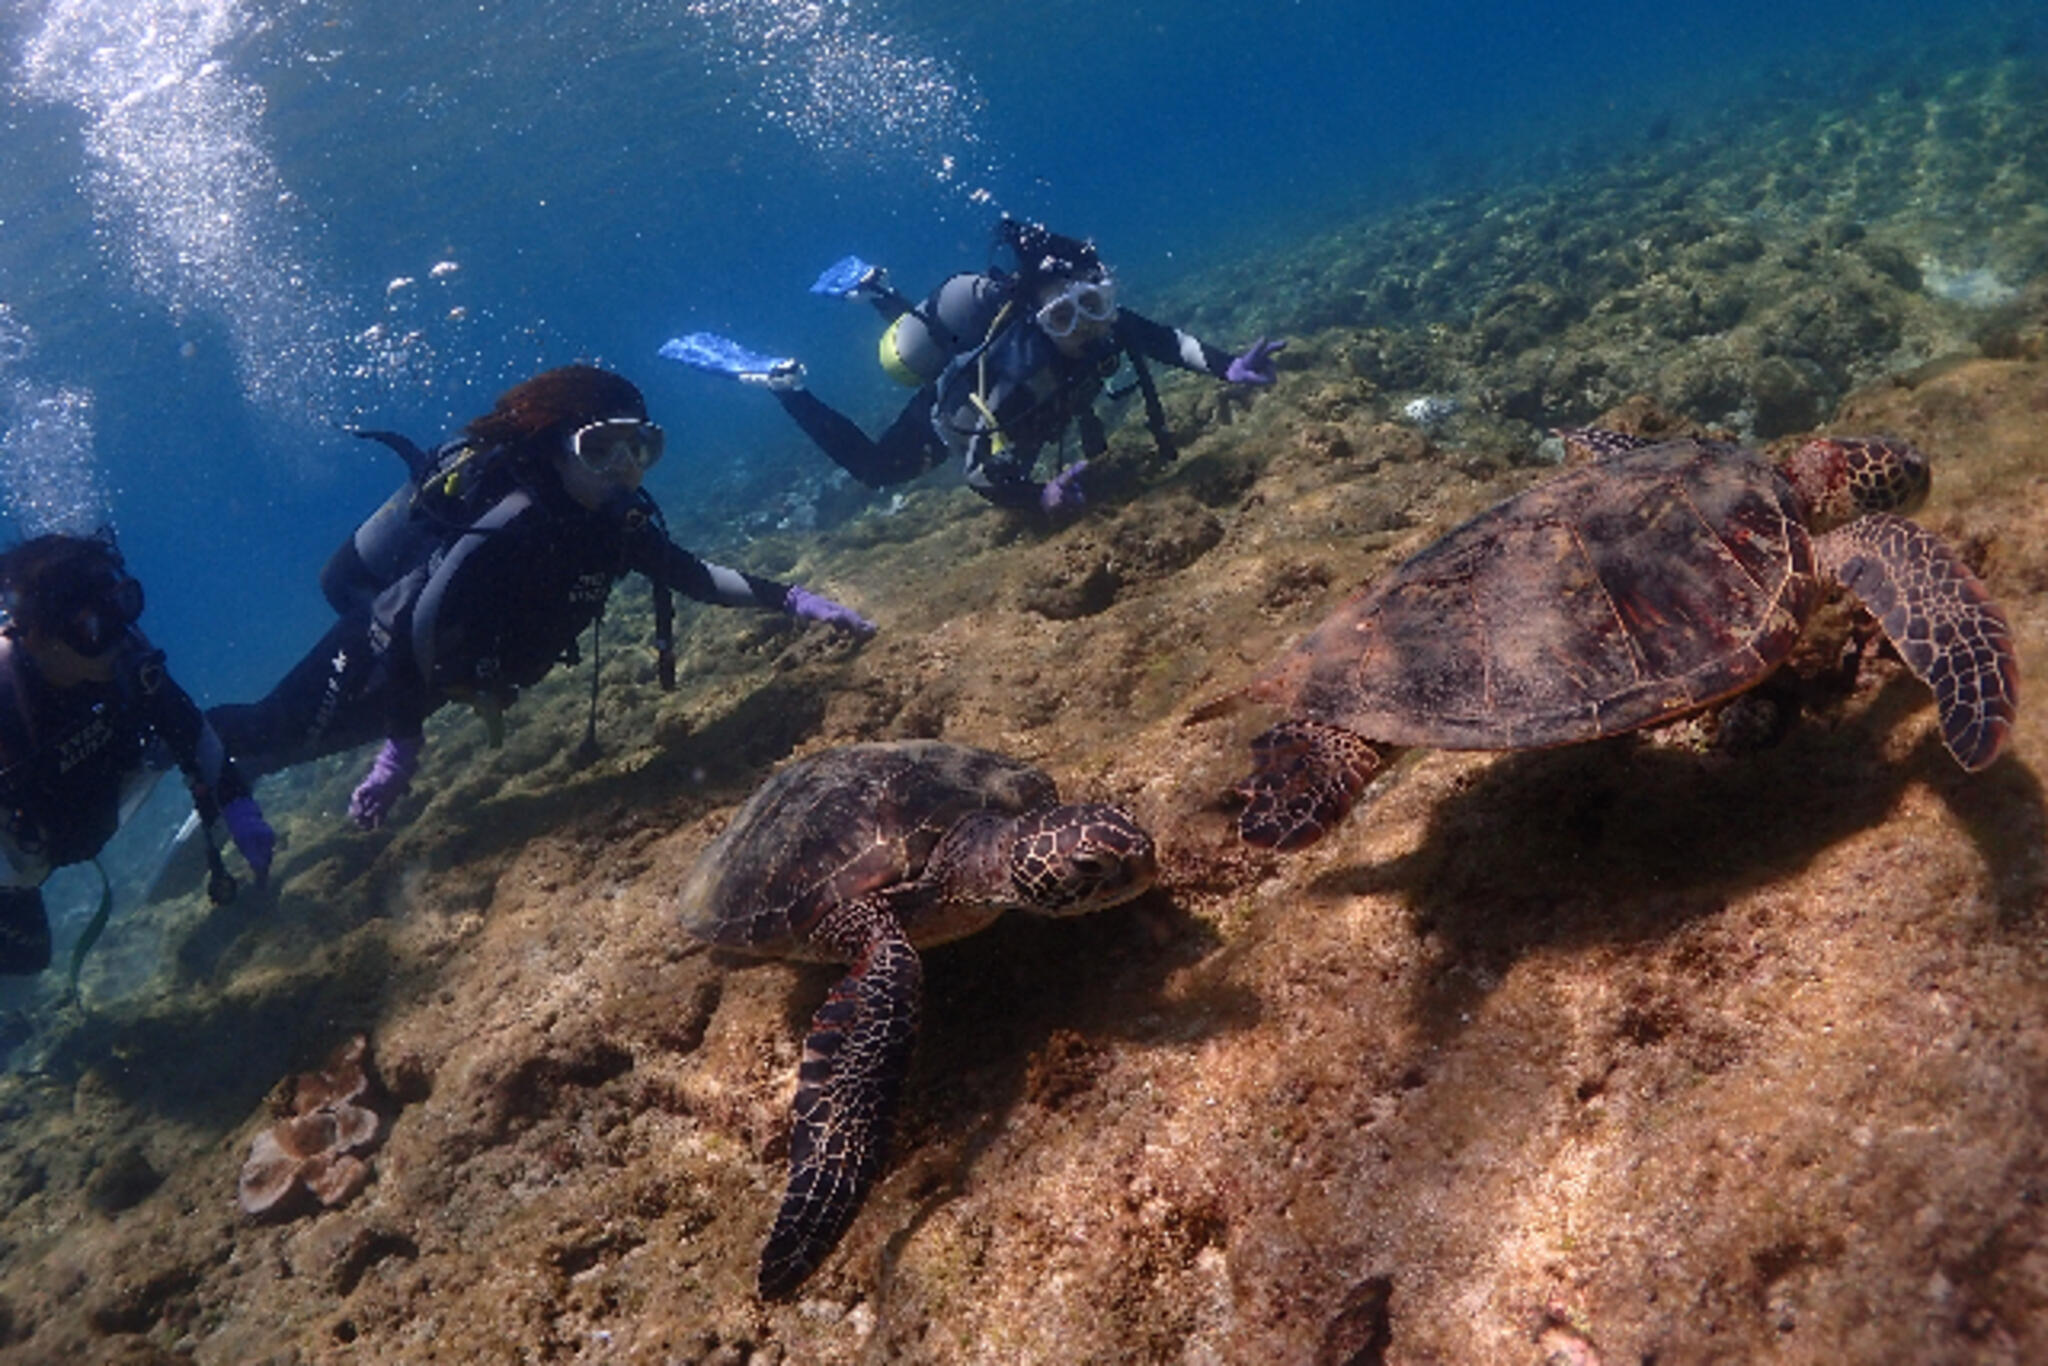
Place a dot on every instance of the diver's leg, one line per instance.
(326, 704)
(908, 446)
(904, 450)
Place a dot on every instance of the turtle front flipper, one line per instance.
(1940, 618)
(1305, 777)
(855, 1059)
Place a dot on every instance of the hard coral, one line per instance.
(327, 1123)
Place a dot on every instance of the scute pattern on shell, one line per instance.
(835, 827)
(1636, 588)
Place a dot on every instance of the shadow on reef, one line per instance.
(2007, 818)
(207, 1059)
(1019, 1014)
(344, 878)
(1620, 842)
(696, 767)
(200, 954)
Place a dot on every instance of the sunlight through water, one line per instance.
(853, 95)
(185, 195)
(49, 476)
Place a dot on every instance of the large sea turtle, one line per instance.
(1647, 584)
(856, 855)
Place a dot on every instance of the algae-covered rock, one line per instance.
(1706, 1048)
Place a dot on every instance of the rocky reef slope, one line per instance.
(1659, 1049)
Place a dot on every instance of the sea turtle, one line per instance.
(855, 855)
(1647, 584)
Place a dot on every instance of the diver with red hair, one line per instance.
(480, 573)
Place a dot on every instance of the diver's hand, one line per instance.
(251, 834)
(1062, 495)
(805, 605)
(1255, 366)
(389, 778)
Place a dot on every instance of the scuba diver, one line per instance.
(1003, 362)
(89, 719)
(478, 575)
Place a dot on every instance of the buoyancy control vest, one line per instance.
(399, 560)
(446, 490)
(971, 331)
(72, 761)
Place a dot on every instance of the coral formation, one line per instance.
(318, 1144)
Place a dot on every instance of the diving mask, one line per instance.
(617, 446)
(1092, 300)
(94, 610)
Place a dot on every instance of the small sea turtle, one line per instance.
(1648, 584)
(855, 856)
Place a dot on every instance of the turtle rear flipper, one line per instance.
(855, 1059)
(1305, 777)
(1940, 618)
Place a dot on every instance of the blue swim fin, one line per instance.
(709, 352)
(847, 277)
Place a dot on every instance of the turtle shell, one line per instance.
(837, 826)
(1629, 591)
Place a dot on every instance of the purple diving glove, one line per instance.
(1255, 366)
(1062, 495)
(251, 834)
(805, 605)
(388, 779)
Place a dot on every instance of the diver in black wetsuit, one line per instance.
(1003, 362)
(478, 576)
(89, 719)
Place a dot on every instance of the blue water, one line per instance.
(229, 229)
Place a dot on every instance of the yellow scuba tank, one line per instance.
(906, 350)
(955, 317)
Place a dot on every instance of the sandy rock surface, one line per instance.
(1637, 1051)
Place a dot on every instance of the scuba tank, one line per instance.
(391, 541)
(956, 316)
(446, 490)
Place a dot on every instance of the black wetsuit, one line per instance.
(1032, 389)
(490, 612)
(68, 759)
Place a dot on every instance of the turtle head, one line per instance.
(1069, 860)
(1841, 478)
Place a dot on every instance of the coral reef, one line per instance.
(1748, 276)
(317, 1146)
(1640, 1050)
